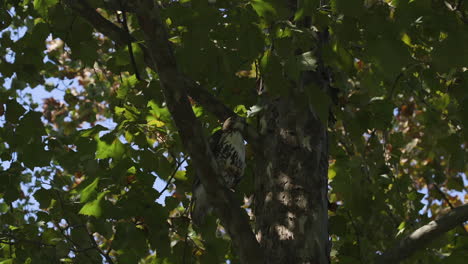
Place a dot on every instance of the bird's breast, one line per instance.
(233, 144)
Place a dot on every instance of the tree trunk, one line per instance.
(291, 185)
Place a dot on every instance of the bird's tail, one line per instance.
(200, 204)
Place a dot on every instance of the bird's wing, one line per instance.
(214, 141)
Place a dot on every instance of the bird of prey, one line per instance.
(228, 148)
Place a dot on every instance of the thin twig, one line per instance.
(96, 246)
(74, 244)
(62, 231)
(124, 23)
(172, 176)
(446, 199)
(8, 240)
(444, 196)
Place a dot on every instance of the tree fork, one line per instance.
(232, 216)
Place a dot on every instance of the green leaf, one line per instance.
(338, 225)
(38, 36)
(86, 52)
(129, 112)
(271, 10)
(264, 8)
(4, 208)
(319, 102)
(272, 71)
(92, 132)
(94, 208)
(114, 149)
(44, 198)
(442, 101)
(17, 84)
(63, 249)
(5, 19)
(164, 167)
(455, 183)
(90, 191)
(197, 110)
(130, 241)
(447, 56)
(389, 53)
(128, 84)
(35, 155)
(415, 196)
(42, 6)
(381, 112)
(80, 236)
(160, 112)
(13, 111)
(31, 126)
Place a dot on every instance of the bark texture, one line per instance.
(291, 185)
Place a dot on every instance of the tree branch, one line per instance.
(447, 200)
(100, 23)
(174, 89)
(17, 240)
(159, 57)
(98, 249)
(122, 38)
(423, 235)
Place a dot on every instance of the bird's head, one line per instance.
(234, 123)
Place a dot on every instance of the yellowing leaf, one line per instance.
(197, 110)
(180, 175)
(156, 123)
(240, 110)
(406, 39)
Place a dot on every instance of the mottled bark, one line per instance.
(291, 185)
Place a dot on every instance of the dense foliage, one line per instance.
(77, 182)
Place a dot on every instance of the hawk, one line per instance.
(228, 148)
